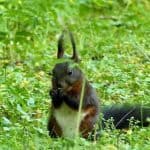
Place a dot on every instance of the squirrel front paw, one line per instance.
(56, 96)
(56, 93)
(53, 93)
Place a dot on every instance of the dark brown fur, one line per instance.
(88, 123)
(54, 128)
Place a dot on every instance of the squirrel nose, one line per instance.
(61, 84)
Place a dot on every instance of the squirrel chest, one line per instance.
(67, 119)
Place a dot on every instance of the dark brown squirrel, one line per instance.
(67, 83)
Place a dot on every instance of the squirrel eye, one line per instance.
(70, 72)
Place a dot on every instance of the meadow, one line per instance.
(113, 41)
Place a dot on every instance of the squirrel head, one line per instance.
(66, 77)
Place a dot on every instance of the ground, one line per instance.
(112, 39)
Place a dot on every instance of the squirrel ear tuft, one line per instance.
(75, 54)
(60, 52)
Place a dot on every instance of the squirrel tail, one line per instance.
(122, 115)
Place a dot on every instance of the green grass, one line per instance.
(113, 42)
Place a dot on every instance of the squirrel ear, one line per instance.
(60, 52)
(75, 54)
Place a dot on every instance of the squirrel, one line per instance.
(67, 88)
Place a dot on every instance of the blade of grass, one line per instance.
(80, 108)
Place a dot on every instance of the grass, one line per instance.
(113, 42)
